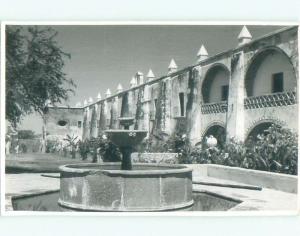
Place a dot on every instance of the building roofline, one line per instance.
(203, 62)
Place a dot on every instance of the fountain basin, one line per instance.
(104, 187)
(126, 138)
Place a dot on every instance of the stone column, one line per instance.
(93, 128)
(114, 113)
(85, 125)
(103, 117)
(146, 108)
(194, 114)
(167, 108)
(235, 115)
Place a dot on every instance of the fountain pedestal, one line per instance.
(139, 187)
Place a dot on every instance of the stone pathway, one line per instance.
(24, 184)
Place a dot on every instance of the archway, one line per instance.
(261, 128)
(218, 131)
(270, 71)
(215, 86)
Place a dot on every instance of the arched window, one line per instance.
(270, 72)
(215, 87)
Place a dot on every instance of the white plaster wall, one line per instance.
(72, 116)
(273, 63)
(285, 115)
(208, 119)
(220, 79)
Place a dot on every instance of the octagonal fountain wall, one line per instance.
(104, 187)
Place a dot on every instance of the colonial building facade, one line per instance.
(236, 93)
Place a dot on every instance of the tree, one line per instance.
(34, 71)
(26, 134)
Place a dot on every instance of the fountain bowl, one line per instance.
(104, 187)
(126, 121)
(126, 138)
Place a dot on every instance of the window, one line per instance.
(62, 123)
(224, 95)
(155, 104)
(79, 124)
(277, 82)
(181, 101)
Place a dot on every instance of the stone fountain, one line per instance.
(125, 187)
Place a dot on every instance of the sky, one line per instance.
(104, 56)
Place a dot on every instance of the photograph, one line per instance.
(130, 118)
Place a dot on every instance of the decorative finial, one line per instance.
(119, 88)
(90, 100)
(133, 82)
(78, 104)
(85, 103)
(139, 78)
(108, 93)
(202, 53)
(172, 67)
(150, 75)
(99, 96)
(244, 36)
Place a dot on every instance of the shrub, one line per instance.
(276, 150)
(108, 151)
(83, 148)
(72, 143)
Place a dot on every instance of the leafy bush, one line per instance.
(83, 148)
(72, 143)
(52, 146)
(26, 134)
(108, 151)
(276, 150)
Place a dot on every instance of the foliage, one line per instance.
(23, 148)
(52, 146)
(34, 71)
(26, 134)
(83, 147)
(108, 151)
(275, 151)
(100, 145)
(72, 143)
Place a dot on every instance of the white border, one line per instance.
(179, 213)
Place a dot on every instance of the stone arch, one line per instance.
(215, 77)
(263, 66)
(218, 130)
(259, 126)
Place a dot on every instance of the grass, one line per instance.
(37, 162)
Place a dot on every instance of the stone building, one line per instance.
(236, 93)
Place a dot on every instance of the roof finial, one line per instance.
(85, 102)
(90, 100)
(139, 77)
(150, 75)
(108, 93)
(172, 67)
(99, 96)
(133, 82)
(202, 53)
(244, 36)
(119, 88)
